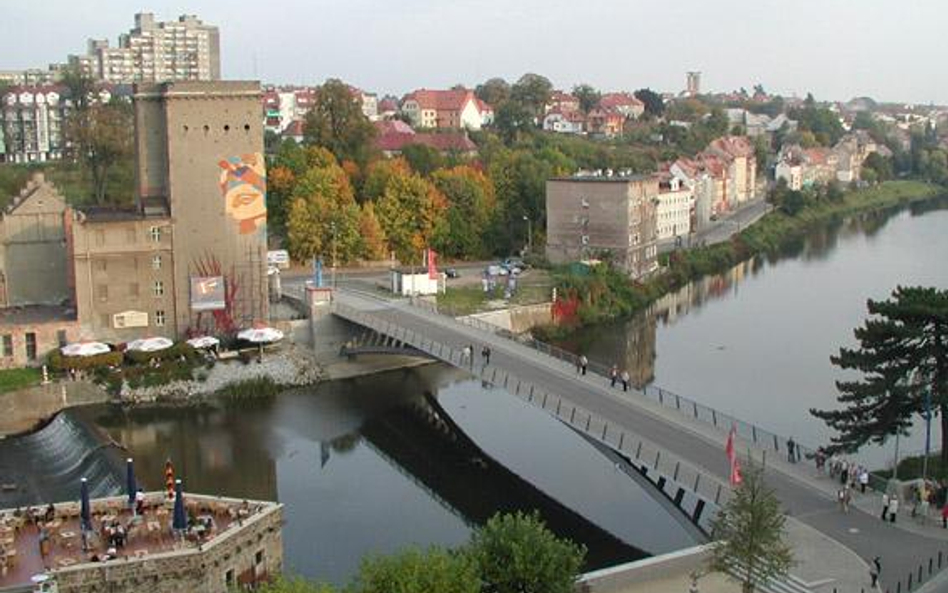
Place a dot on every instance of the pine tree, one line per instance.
(750, 535)
(906, 336)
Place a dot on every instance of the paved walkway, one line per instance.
(805, 495)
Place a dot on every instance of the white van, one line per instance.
(279, 258)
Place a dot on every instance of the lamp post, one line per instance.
(332, 228)
(529, 233)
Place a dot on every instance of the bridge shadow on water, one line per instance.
(423, 442)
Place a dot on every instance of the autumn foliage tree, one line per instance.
(409, 211)
(374, 244)
(470, 197)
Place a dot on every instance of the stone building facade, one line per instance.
(591, 217)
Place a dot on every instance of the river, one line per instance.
(370, 466)
(756, 341)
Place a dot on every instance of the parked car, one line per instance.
(496, 270)
(452, 273)
(514, 264)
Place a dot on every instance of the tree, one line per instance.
(494, 92)
(374, 245)
(422, 158)
(906, 335)
(101, 138)
(878, 165)
(323, 218)
(336, 122)
(532, 91)
(587, 95)
(409, 211)
(513, 120)
(378, 176)
(654, 105)
(750, 534)
(79, 86)
(471, 200)
(413, 571)
(294, 585)
(518, 554)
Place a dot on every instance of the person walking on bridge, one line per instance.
(625, 380)
(874, 571)
(485, 354)
(791, 451)
(613, 375)
(583, 364)
(885, 505)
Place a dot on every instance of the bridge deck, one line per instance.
(673, 443)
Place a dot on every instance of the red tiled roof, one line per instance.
(452, 100)
(612, 100)
(483, 107)
(735, 146)
(387, 105)
(394, 126)
(295, 128)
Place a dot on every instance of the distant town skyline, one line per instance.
(836, 49)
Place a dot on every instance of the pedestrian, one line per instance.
(466, 355)
(485, 354)
(885, 505)
(893, 507)
(613, 375)
(863, 479)
(625, 380)
(583, 363)
(847, 498)
(841, 499)
(791, 451)
(944, 516)
(140, 502)
(844, 472)
(875, 570)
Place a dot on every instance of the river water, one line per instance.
(756, 341)
(371, 465)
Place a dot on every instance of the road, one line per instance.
(725, 227)
(803, 496)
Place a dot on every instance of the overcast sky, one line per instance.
(892, 50)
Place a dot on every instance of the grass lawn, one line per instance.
(533, 287)
(12, 379)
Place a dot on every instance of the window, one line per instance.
(159, 288)
(7, 345)
(156, 262)
(160, 318)
(103, 291)
(30, 346)
(155, 233)
(133, 290)
(229, 578)
(61, 337)
(258, 558)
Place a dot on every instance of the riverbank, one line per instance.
(602, 294)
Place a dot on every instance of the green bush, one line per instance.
(58, 362)
(181, 349)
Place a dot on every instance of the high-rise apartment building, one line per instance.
(693, 84)
(185, 49)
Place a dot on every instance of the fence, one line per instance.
(920, 575)
(647, 456)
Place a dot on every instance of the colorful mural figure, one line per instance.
(244, 187)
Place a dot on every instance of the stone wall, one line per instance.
(23, 409)
(518, 319)
(624, 576)
(246, 552)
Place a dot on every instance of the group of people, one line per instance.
(467, 355)
(615, 376)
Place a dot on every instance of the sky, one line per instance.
(891, 50)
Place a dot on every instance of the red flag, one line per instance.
(432, 269)
(735, 477)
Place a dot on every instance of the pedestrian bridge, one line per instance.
(678, 443)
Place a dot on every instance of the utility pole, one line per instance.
(332, 226)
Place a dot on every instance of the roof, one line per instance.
(611, 100)
(295, 128)
(451, 100)
(388, 105)
(734, 146)
(394, 126)
(111, 213)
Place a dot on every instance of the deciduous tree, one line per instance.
(532, 91)
(654, 105)
(336, 122)
(101, 139)
(414, 571)
(493, 91)
(471, 200)
(518, 554)
(374, 245)
(587, 95)
(750, 534)
(906, 335)
(409, 211)
(378, 176)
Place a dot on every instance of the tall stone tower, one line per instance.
(693, 84)
(200, 159)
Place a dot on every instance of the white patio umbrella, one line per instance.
(150, 344)
(261, 335)
(84, 349)
(204, 342)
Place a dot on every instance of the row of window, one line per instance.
(157, 290)
(131, 236)
(6, 344)
(102, 265)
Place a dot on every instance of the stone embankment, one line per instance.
(291, 366)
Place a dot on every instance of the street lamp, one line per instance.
(529, 234)
(332, 228)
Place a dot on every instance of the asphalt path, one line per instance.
(902, 551)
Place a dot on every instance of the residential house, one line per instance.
(562, 101)
(368, 101)
(588, 217)
(791, 172)
(675, 208)
(393, 136)
(739, 154)
(388, 108)
(696, 177)
(851, 151)
(294, 131)
(452, 109)
(564, 122)
(605, 122)
(625, 103)
(31, 123)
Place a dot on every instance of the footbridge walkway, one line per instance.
(676, 443)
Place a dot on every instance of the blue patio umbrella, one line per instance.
(180, 520)
(130, 484)
(85, 512)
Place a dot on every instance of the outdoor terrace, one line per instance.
(149, 536)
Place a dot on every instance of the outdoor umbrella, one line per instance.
(84, 349)
(150, 344)
(130, 484)
(204, 342)
(180, 520)
(261, 335)
(85, 512)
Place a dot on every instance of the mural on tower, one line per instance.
(244, 187)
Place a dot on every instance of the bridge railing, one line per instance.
(647, 456)
(762, 438)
